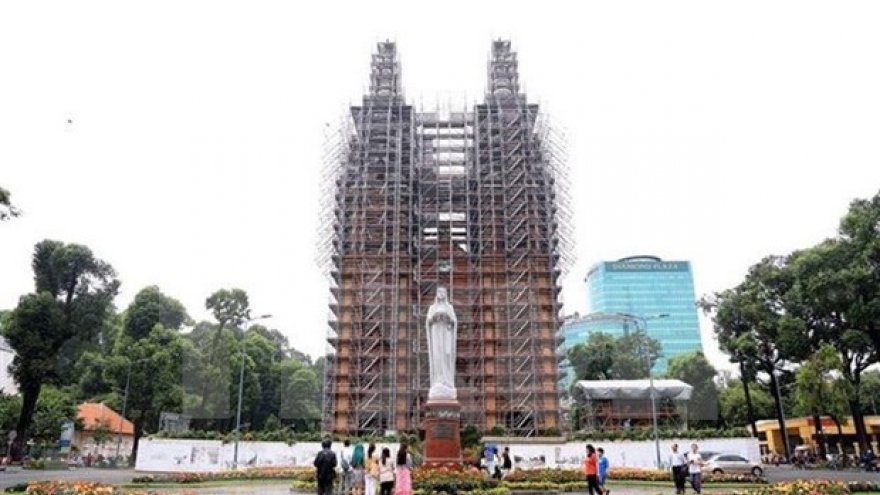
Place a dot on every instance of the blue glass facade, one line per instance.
(647, 286)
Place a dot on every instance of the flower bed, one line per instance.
(248, 474)
(430, 481)
(801, 487)
(473, 481)
(70, 488)
(452, 480)
(566, 476)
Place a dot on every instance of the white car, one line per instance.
(733, 464)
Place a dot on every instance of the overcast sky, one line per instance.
(716, 132)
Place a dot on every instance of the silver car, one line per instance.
(733, 464)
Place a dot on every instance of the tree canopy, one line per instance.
(72, 346)
(74, 291)
(816, 311)
(602, 357)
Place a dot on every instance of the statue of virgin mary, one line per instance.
(442, 327)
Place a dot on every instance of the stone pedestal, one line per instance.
(442, 436)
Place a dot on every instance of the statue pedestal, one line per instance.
(442, 435)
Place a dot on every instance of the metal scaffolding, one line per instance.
(473, 199)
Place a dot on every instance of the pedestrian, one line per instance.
(357, 470)
(506, 463)
(591, 469)
(345, 465)
(371, 472)
(403, 482)
(679, 467)
(325, 468)
(695, 468)
(491, 454)
(386, 472)
(603, 470)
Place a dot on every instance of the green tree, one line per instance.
(263, 354)
(827, 295)
(211, 375)
(695, 370)
(297, 395)
(594, 360)
(231, 309)
(604, 357)
(635, 354)
(747, 380)
(10, 408)
(750, 322)
(150, 308)
(93, 385)
(279, 342)
(732, 403)
(869, 392)
(859, 232)
(53, 409)
(7, 209)
(818, 393)
(74, 293)
(157, 363)
(101, 433)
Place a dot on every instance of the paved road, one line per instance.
(788, 474)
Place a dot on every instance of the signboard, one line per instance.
(647, 266)
(67, 429)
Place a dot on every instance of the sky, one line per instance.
(182, 141)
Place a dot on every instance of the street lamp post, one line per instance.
(241, 387)
(125, 405)
(644, 321)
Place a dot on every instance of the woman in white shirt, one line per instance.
(386, 472)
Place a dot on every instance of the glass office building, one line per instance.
(648, 287)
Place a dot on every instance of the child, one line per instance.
(603, 470)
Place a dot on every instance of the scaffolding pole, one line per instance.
(469, 197)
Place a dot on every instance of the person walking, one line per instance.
(679, 469)
(603, 470)
(357, 470)
(491, 455)
(506, 463)
(386, 472)
(403, 483)
(591, 469)
(325, 468)
(695, 468)
(371, 471)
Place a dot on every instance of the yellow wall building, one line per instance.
(802, 431)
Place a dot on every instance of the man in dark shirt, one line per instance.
(325, 468)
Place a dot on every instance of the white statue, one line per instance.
(442, 327)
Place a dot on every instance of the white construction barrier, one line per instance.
(202, 456)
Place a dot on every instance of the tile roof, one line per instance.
(92, 414)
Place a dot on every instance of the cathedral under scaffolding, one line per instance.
(473, 199)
